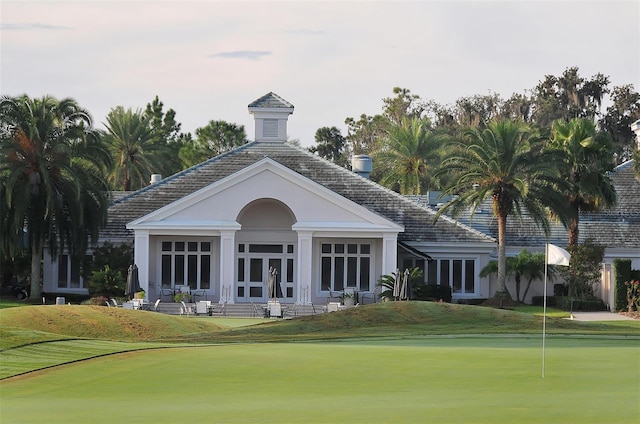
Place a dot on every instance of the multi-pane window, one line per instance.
(459, 274)
(345, 265)
(186, 263)
(70, 272)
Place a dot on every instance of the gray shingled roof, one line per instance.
(615, 227)
(618, 226)
(417, 220)
(271, 100)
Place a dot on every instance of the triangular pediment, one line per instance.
(315, 207)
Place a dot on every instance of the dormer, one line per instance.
(271, 113)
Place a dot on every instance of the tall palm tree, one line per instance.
(586, 159)
(409, 151)
(134, 148)
(51, 178)
(502, 162)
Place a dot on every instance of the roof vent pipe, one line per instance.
(155, 178)
(362, 165)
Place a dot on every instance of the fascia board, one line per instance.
(186, 225)
(346, 227)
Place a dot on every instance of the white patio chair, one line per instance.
(154, 308)
(334, 295)
(290, 311)
(186, 309)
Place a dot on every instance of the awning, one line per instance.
(414, 251)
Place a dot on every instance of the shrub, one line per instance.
(539, 300)
(575, 304)
(97, 300)
(474, 301)
(432, 292)
(622, 273)
(179, 297)
(117, 256)
(106, 282)
(387, 282)
(585, 269)
(633, 295)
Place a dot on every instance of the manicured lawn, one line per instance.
(418, 379)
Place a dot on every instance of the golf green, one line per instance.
(430, 379)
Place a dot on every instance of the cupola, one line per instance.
(271, 113)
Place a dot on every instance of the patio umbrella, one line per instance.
(404, 289)
(396, 285)
(133, 284)
(274, 287)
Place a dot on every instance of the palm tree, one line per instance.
(408, 153)
(134, 148)
(51, 178)
(586, 159)
(502, 162)
(526, 265)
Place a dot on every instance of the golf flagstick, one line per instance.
(553, 255)
(544, 303)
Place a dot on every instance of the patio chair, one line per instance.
(318, 309)
(198, 293)
(166, 292)
(219, 310)
(115, 303)
(258, 311)
(374, 296)
(154, 308)
(186, 309)
(290, 311)
(334, 295)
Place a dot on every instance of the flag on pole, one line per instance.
(557, 255)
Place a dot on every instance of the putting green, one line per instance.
(429, 379)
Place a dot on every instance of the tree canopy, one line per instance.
(51, 178)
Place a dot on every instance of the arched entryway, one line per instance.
(266, 243)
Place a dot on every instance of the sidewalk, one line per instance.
(599, 316)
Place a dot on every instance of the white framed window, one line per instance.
(458, 273)
(186, 263)
(70, 272)
(346, 264)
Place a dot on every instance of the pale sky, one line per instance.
(332, 60)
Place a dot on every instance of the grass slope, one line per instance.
(96, 322)
(24, 325)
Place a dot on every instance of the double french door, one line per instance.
(265, 271)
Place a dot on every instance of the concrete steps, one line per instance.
(244, 310)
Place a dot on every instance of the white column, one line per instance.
(227, 266)
(389, 253)
(304, 288)
(141, 259)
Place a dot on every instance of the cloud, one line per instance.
(242, 54)
(32, 27)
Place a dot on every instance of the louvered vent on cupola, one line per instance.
(271, 113)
